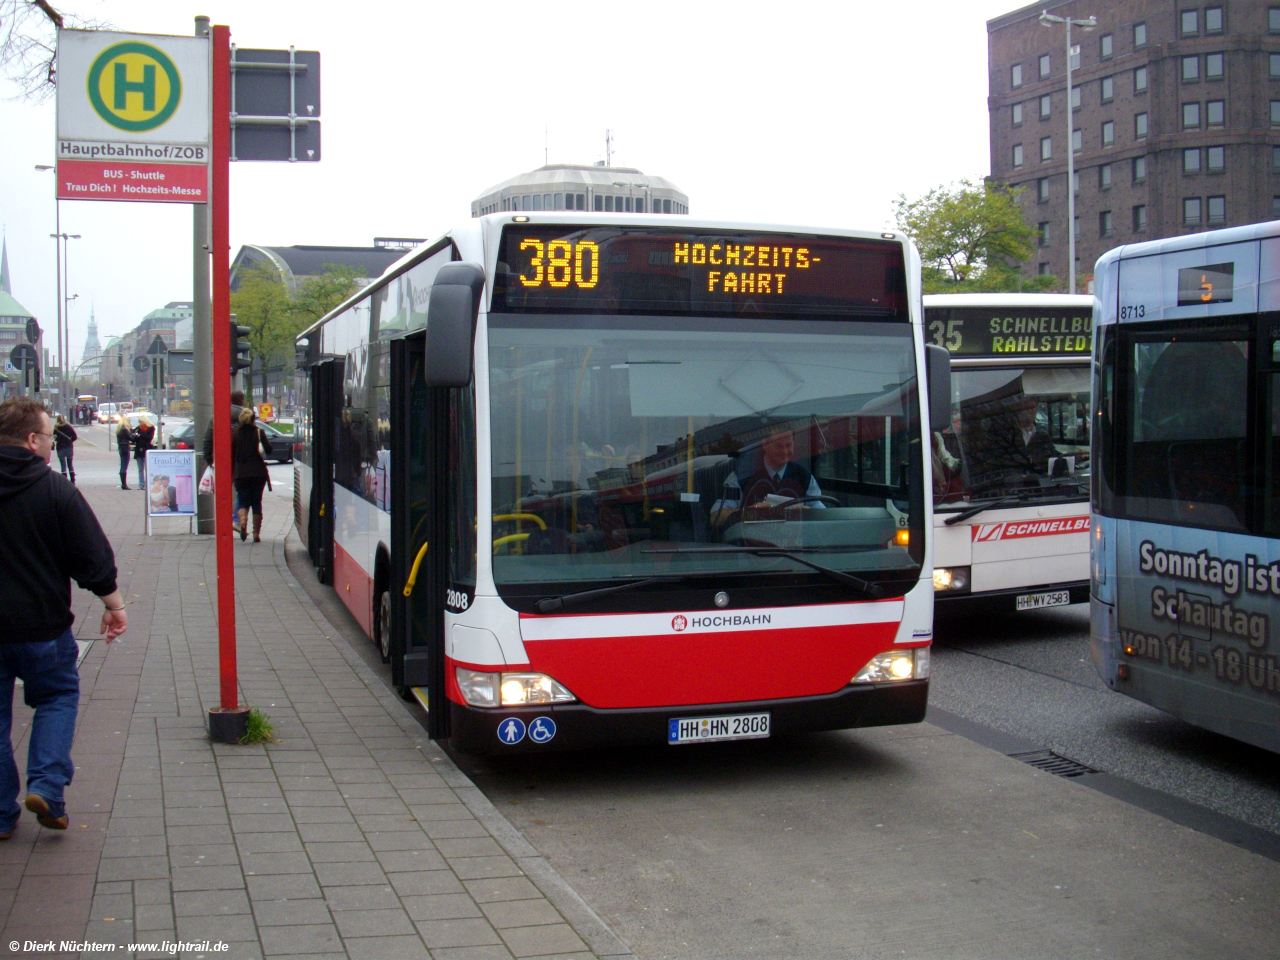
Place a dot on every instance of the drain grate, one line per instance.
(1051, 762)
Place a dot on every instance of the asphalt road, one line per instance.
(1029, 675)
(908, 841)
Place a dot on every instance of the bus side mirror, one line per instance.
(938, 371)
(451, 324)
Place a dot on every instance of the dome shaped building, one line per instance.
(569, 186)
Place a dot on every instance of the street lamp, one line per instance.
(57, 256)
(64, 315)
(1048, 20)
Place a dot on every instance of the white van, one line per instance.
(108, 413)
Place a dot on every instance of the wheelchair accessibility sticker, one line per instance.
(542, 730)
(511, 730)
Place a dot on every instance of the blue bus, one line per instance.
(1185, 539)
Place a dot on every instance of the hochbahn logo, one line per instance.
(134, 86)
(1017, 529)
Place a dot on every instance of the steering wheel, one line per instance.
(797, 500)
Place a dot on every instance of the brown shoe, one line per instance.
(45, 811)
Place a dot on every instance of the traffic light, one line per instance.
(239, 348)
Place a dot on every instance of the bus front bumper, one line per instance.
(1003, 601)
(578, 726)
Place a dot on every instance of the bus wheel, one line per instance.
(382, 628)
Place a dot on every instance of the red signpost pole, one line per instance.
(227, 723)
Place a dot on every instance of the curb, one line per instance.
(586, 922)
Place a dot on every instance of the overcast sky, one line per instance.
(796, 113)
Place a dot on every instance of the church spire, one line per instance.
(5, 285)
(91, 346)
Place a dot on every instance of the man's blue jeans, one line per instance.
(51, 684)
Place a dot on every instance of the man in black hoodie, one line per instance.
(50, 536)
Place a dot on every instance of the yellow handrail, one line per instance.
(509, 538)
(521, 516)
(413, 574)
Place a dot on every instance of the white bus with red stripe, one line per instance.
(603, 479)
(1011, 468)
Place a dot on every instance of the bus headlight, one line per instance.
(481, 689)
(951, 579)
(522, 688)
(478, 689)
(895, 665)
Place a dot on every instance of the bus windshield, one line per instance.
(628, 447)
(1016, 432)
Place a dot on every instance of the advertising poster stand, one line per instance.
(171, 486)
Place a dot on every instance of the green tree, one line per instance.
(275, 318)
(971, 238)
(262, 303)
(318, 295)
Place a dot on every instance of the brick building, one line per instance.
(1175, 121)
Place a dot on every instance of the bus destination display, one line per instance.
(993, 332)
(1211, 284)
(635, 270)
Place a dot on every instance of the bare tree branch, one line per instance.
(28, 45)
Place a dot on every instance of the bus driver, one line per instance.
(776, 480)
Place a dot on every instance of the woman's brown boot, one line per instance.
(243, 516)
(257, 528)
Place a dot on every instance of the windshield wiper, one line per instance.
(978, 508)
(551, 604)
(872, 590)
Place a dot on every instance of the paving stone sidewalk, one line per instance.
(352, 834)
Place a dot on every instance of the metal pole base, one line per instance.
(228, 726)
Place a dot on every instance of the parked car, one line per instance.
(281, 443)
(183, 438)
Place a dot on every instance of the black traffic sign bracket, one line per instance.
(275, 105)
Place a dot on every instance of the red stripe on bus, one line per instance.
(354, 587)
(1017, 529)
(686, 669)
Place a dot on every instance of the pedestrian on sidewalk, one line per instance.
(144, 439)
(50, 537)
(237, 404)
(124, 440)
(64, 436)
(248, 443)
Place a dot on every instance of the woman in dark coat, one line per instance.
(124, 437)
(64, 435)
(248, 444)
(144, 439)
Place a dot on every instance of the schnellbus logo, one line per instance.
(134, 86)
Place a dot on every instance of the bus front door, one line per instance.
(326, 409)
(419, 557)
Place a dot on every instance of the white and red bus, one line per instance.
(1011, 468)
(602, 479)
